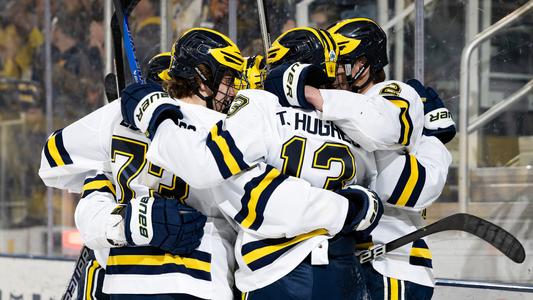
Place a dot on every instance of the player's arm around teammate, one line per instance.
(207, 161)
(424, 164)
(143, 108)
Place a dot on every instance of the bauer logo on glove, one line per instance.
(145, 105)
(438, 120)
(163, 223)
(288, 83)
(148, 99)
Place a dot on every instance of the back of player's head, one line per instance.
(203, 55)
(306, 45)
(156, 65)
(360, 37)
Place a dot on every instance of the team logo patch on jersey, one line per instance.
(239, 102)
(391, 89)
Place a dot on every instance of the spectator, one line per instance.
(19, 39)
(188, 14)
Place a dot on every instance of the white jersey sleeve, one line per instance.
(413, 180)
(70, 153)
(234, 149)
(389, 116)
(93, 213)
(204, 158)
(274, 205)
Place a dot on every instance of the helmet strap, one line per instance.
(361, 70)
(356, 88)
(208, 99)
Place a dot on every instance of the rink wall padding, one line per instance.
(33, 278)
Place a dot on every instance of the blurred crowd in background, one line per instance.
(78, 55)
(78, 67)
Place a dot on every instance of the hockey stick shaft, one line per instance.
(85, 256)
(483, 229)
(123, 9)
(263, 24)
(122, 13)
(110, 87)
(117, 45)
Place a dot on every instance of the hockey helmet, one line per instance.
(306, 45)
(253, 73)
(360, 37)
(203, 46)
(156, 65)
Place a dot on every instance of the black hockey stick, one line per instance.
(498, 237)
(120, 31)
(85, 256)
(110, 87)
(117, 46)
(123, 8)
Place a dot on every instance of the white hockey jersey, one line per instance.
(409, 179)
(294, 141)
(390, 115)
(105, 160)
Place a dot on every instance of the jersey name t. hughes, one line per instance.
(312, 125)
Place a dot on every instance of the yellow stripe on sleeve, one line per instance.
(52, 148)
(229, 160)
(404, 108)
(421, 252)
(254, 197)
(411, 182)
(98, 184)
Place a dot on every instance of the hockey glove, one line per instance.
(438, 120)
(288, 83)
(145, 105)
(364, 209)
(163, 223)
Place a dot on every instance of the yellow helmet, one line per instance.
(158, 64)
(253, 73)
(306, 45)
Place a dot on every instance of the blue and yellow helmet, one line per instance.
(306, 45)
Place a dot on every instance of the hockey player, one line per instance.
(295, 260)
(92, 277)
(111, 158)
(423, 160)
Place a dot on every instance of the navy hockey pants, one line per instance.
(386, 288)
(342, 279)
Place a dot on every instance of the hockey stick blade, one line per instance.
(498, 237)
(110, 87)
